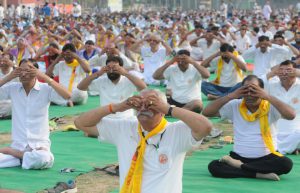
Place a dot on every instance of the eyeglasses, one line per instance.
(155, 41)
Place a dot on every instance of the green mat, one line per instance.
(70, 149)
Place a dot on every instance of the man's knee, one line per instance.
(214, 168)
(286, 165)
(37, 159)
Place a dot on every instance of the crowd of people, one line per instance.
(54, 58)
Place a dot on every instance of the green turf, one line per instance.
(71, 149)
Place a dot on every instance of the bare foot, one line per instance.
(230, 161)
(269, 176)
(212, 97)
(70, 104)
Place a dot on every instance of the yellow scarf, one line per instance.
(220, 67)
(133, 180)
(19, 57)
(262, 114)
(73, 65)
(174, 42)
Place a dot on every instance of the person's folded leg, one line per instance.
(7, 161)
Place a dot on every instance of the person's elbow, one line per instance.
(203, 130)
(206, 75)
(291, 115)
(142, 86)
(67, 95)
(157, 77)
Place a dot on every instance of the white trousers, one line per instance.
(78, 97)
(288, 143)
(5, 108)
(35, 159)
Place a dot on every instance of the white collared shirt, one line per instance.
(29, 114)
(290, 97)
(160, 175)
(263, 62)
(115, 93)
(65, 72)
(229, 75)
(208, 51)
(101, 61)
(185, 86)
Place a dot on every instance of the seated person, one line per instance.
(230, 67)
(183, 80)
(30, 100)
(288, 90)
(6, 67)
(114, 84)
(254, 116)
(71, 70)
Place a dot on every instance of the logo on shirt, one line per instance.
(163, 158)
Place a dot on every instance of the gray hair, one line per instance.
(159, 93)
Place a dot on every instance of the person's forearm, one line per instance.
(158, 74)
(84, 64)
(207, 61)
(6, 79)
(168, 48)
(62, 91)
(194, 41)
(84, 84)
(294, 50)
(202, 70)
(242, 65)
(93, 117)
(213, 108)
(138, 83)
(199, 124)
(286, 111)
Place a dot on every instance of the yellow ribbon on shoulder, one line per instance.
(133, 180)
(262, 115)
(20, 56)
(220, 67)
(73, 65)
(174, 42)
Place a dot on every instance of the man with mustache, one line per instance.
(151, 151)
(230, 68)
(30, 100)
(184, 80)
(71, 69)
(254, 114)
(288, 90)
(117, 85)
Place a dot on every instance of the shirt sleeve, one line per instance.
(167, 73)
(274, 114)
(111, 130)
(5, 92)
(56, 69)
(226, 111)
(182, 138)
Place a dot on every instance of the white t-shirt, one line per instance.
(185, 86)
(152, 61)
(248, 141)
(160, 175)
(290, 97)
(64, 72)
(242, 43)
(115, 93)
(101, 61)
(229, 76)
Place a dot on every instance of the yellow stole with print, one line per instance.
(262, 115)
(174, 42)
(133, 180)
(73, 65)
(220, 67)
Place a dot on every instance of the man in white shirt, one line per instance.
(6, 67)
(151, 151)
(117, 85)
(288, 90)
(230, 67)
(265, 31)
(292, 51)
(263, 54)
(223, 9)
(196, 52)
(243, 41)
(76, 10)
(71, 70)
(267, 10)
(30, 146)
(2, 14)
(153, 56)
(254, 152)
(55, 11)
(184, 80)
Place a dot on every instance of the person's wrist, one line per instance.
(50, 81)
